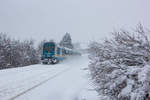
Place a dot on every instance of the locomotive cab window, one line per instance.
(49, 47)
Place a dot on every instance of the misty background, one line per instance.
(85, 20)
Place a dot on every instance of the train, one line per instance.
(53, 53)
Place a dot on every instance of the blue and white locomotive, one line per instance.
(53, 53)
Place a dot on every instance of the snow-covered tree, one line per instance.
(66, 41)
(14, 53)
(120, 66)
(4, 49)
(29, 52)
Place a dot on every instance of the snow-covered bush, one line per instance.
(14, 53)
(4, 49)
(29, 53)
(120, 66)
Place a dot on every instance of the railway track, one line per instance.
(39, 84)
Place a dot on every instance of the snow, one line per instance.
(64, 81)
(88, 93)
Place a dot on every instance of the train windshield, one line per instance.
(49, 47)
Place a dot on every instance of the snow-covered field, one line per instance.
(64, 81)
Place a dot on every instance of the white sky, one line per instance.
(85, 20)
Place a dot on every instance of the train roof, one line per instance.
(59, 45)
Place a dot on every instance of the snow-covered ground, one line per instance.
(64, 81)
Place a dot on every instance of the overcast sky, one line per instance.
(85, 20)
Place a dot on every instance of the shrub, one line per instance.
(120, 66)
(14, 53)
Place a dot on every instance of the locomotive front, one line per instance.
(48, 54)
